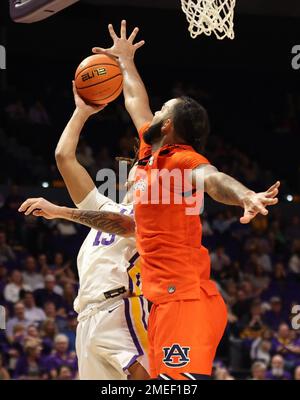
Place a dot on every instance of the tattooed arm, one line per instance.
(227, 190)
(110, 222)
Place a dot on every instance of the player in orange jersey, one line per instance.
(188, 316)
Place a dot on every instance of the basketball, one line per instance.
(99, 79)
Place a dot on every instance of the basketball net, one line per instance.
(207, 16)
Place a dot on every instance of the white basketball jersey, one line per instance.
(106, 262)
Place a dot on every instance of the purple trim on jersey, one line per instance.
(133, 259)
(131, 329)
(130, 284)
(131, 362)
(131, 265)
(144, 314)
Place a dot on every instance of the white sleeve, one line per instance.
(93, 201)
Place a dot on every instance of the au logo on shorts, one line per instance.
(176, 356)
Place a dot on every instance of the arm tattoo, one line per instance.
(105, 221)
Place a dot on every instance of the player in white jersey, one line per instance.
(111, 341)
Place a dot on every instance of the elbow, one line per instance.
(62, 157)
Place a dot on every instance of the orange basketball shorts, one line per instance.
(184, 336)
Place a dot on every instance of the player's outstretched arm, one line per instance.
(227, 190)
(76, 177)
(110, 222)
(136, 97)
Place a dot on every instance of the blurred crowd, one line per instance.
(257, 266)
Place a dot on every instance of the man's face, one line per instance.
(49, 285)
(284, 331)
(259, 373)
(65, 373)
(19, 310)
(30, 264)
(29, 300)
(16, 277)
(277, 362)
(50, 309)
(62, 345)
(153, 134)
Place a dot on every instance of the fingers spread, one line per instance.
(112, 32)
(133, 35)
(270, 202)
(99, 50)
(139, 44)
(123, 29)
(275, 186)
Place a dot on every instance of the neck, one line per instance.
(157, 145)
(169, 139)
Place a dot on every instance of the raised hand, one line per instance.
(82, 106)
(256, 203)
(123, 47)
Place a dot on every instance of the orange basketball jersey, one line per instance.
(174, 263)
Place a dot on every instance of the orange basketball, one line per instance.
(99, 79)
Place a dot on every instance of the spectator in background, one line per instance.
(294, 261)
(293, 229)
(51, 312)
(206, 228)
(258, 371)
(32, 312)
(43, 265)
(61, 356)
(13, 289)
(4, 374)
(259, 279)
(7, 255)
(68, 297)
(48, 293)
(65, 373)
(275, 316)
(38, 114)
(18, 319)
(297, 373)
(263, 258)
(3, 281)
(31, 277)
(31, 364)
(277, 371)
(261, 348)
(287, 344)
(70, 330)
(48, 332)
(32, 332)
(222, 374)
(254, 325)
(219, 260)
(242, 305)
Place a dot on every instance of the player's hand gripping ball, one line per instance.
(99, 79)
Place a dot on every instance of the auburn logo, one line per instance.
(176, 356)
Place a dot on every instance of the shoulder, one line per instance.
(188, 158)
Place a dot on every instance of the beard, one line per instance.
(153, 133)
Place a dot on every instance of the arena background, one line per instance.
(252, 94)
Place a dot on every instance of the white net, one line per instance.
(207, 16)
